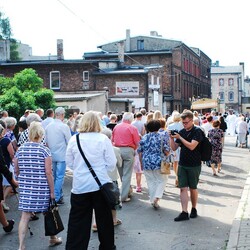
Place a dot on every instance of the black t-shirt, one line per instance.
(190, 158)
(111, 125)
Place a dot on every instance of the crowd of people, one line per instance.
(116, 146)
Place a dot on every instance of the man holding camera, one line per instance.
(189, 165)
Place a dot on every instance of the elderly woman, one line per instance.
(8, 154)
(33, 166)
(7, 224)
(24, 136)
(151, 146)
(114, 175)
(215, 136)
(10, 126)
(85, 193)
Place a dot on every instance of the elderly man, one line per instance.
(57, 136)
(125, 136)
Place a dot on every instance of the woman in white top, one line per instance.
(85, 193)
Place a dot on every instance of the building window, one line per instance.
(85, 76)
(140, 44)
(221, 96)
(230, 96)
(55, 80)
(221, 82)
(230, 82)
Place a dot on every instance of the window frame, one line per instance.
(51, 80)
(222, 96)
(230, 85)
(84, 78)
(230, 93)
(223, 83)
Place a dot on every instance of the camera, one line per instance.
(174, 132)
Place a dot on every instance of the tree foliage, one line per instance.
(44, 98)
(28, 79)
(5, 28)
(24, 91)
(14, 54)
(6, 34)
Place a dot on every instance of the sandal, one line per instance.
(118, 222)
(54, 242)
(33, 217)
(10, 226)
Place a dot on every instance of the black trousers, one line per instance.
(80, 220)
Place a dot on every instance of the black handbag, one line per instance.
(109, 190)
(52, 220)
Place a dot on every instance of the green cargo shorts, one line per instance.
(188, 176)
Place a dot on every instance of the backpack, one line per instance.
(205, 148)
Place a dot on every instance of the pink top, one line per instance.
(125, 135)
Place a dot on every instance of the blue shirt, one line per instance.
(57, 138)
(150, 147)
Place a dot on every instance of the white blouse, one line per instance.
(99, 151)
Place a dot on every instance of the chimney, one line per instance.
(121, 51)
(153, 33)
(60, 49)
(127, 40)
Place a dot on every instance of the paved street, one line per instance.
(146, 228)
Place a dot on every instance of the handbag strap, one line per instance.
(87, 162)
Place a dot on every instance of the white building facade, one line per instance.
(227, 83)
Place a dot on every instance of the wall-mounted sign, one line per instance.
(127, 88)
(156, 98)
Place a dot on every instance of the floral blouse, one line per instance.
(150, 147)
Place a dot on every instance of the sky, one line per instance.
(217, 27)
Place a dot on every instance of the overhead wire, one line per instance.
(94, 30)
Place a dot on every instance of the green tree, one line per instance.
(5, 84)
(6, 34)
(28, 79)
(14, 54)
(45, 98)
(5, 28)
(24, 91)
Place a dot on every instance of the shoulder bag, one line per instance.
(165, 166)
(52, 220)
(109, 190)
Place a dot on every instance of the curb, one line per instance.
(242, 213)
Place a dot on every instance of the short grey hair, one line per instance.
(128, 116)
(106, 131)
(10, 121)
(33, 117)
(59, 111)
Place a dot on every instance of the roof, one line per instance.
(46, 62)
(115, 54)
(177, 42)
(226, 69)
(120, 100)
(74, 96)
(128, 70)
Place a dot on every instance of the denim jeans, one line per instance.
(59, 169)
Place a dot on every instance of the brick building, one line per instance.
(167, 73)
(142, 71)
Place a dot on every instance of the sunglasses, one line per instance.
(185, 123)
